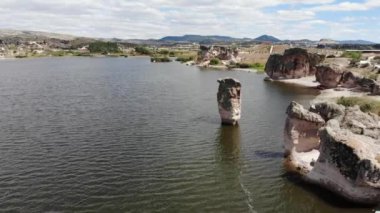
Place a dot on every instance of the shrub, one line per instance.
(214, 61)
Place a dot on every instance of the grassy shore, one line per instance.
(366, 104)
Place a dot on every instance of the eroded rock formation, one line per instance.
(225, 54)
(229, 102)
(339, 149)
(332, 76)
(294, 63)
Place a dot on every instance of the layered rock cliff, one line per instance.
(335, 147)
(294, 63)
(229, 103)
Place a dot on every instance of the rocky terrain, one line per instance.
(220, 54)
(335, 147)
(294, 63)
(229, 102)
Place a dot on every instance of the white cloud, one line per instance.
(157, 18)
(349, 6)
(295, 15)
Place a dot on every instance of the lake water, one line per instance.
(127, 135)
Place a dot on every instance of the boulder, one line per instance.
(294, 63)
(375, 90)
(229, 102)
(329, 76)
(366, 84)
(349, 80)
(346, 158)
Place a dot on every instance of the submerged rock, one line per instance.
(344, 156)
(229, 102)
(294, 63)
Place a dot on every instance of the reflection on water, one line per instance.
(228, 139)
(293, 88)
(292, 194)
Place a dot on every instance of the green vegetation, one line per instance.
(163, 52)
(160, 59)
(103, 47)
(365, 104)
(186, 58)
(355, 56)
(143, 50)
(215, 61)
(87, 54)
(257, 66)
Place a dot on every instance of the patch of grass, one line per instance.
(365, 104)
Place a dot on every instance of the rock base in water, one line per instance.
(335, 147)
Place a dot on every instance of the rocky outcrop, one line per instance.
(229, 102)
(226, 54)
(294, 63)
(301, 129)
(344, 155)
(329, 76)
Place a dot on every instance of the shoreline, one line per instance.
(327, 94)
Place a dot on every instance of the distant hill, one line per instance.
(266, 38)
(199, 38)
(217, 38)
(350, 42)
(34, 35)
(362, 42)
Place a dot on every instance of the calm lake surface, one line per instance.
(127, 135)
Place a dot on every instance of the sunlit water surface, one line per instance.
(127, 135)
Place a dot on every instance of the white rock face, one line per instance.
(229, 102)
(346, 158)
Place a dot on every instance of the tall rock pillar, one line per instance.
(229, 102)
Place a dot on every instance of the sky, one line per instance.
(143, 19)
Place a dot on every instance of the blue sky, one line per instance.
(285, 19)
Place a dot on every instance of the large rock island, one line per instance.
(294, 63)
(335, 147)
